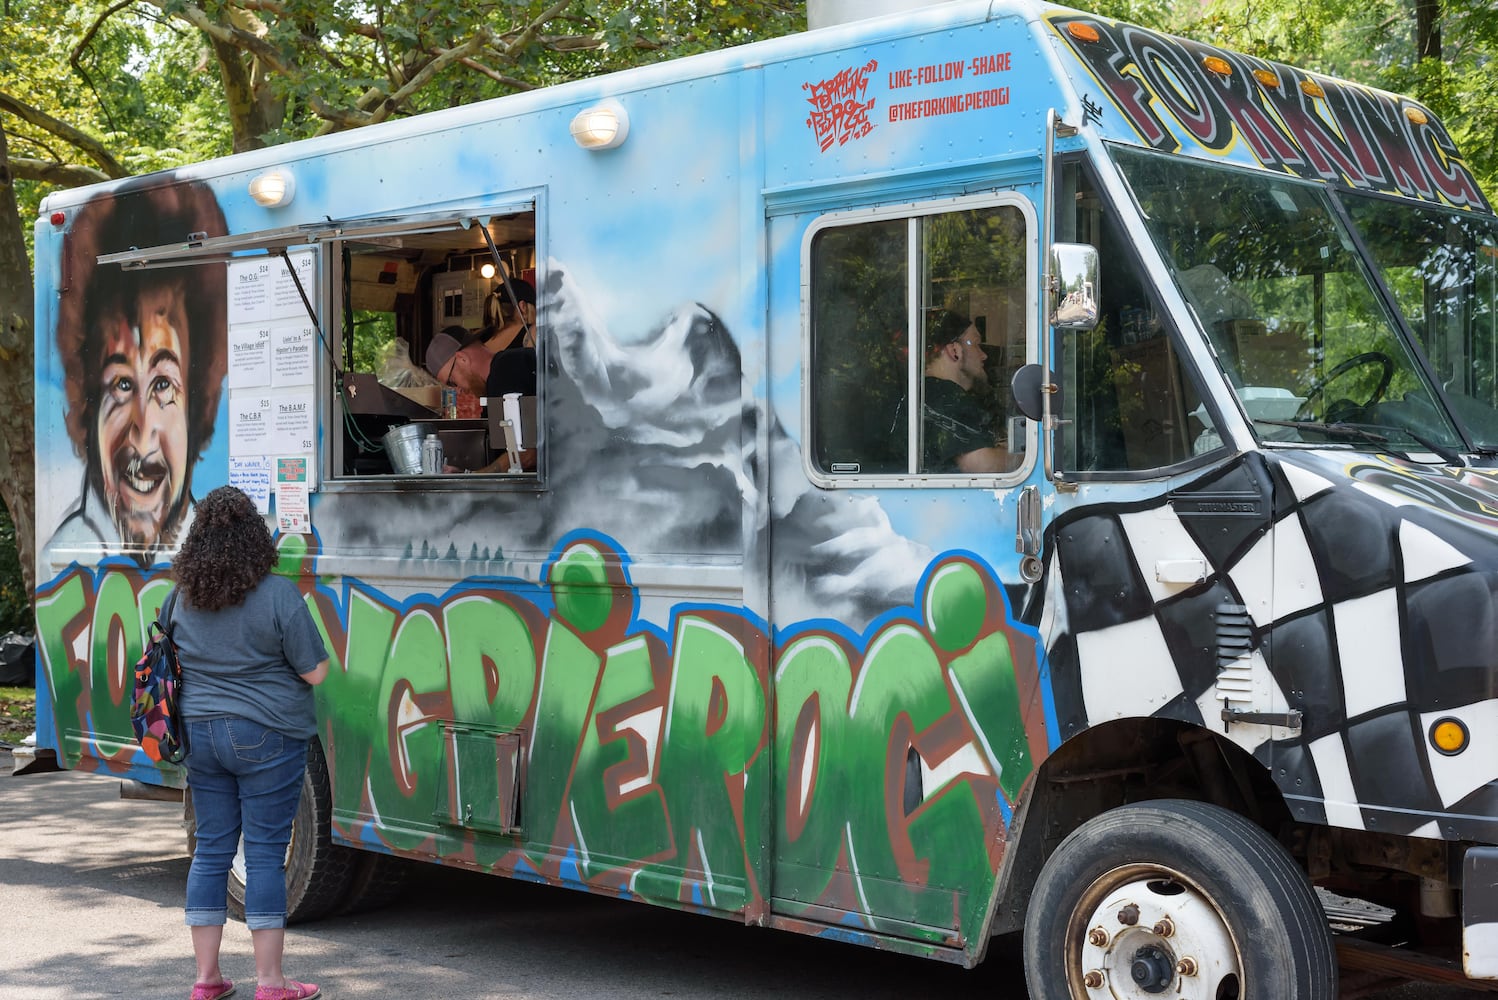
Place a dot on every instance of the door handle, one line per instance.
(1027, 534)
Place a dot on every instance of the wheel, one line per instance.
(378, 879)
(1356, 361)
(1175, 899)
(317, 871)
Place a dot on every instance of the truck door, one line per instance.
(907, 706)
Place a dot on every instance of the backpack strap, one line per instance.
(166, 613)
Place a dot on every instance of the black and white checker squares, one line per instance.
(1372, 587)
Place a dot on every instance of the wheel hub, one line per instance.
(1153, 969)
(1151, 934)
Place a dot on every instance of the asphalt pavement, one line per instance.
(91, 890)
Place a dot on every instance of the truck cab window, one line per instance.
(952, 334)
(1129, 402)
(425, 313)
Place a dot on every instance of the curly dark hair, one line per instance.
(227, 552)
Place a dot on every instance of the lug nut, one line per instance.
(1093, 980)
(1097, 937)
(1165, 927)
(1129, 915)
(1186, 966)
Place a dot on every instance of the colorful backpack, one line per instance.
(154, 712)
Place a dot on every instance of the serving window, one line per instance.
(438, 344)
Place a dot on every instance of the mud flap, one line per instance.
(1480, 913)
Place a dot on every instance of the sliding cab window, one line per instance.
(408, 297)
(1130, 403)
(918, 321)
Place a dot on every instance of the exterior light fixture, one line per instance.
(603, 126)
(1218, 65)
(487, 270)
(273, 188)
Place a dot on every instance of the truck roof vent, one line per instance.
(825, 13)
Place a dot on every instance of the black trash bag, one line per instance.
(17, 660)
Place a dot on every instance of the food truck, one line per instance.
(987, 468)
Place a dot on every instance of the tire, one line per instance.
(1243, 920)
(378, 880)
(317, 871)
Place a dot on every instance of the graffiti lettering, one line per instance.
(874, 775)
(839, 112)
(1315, 127)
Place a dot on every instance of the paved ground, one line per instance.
(91, 888)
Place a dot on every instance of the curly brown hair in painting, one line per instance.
(227, 552)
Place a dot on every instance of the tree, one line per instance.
(17, 462)
(152, 84)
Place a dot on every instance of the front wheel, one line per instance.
(1173, 898)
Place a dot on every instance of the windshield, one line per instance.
(1289, 308)
(1442, 268)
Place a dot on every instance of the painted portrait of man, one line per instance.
(144, 356)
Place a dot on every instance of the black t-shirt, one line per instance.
(512, 371)
(955, 424)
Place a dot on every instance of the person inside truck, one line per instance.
(471, 366)
(960, 434)
(468, 365)
(519, 328)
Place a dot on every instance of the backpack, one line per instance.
(154, 712)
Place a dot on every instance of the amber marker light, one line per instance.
(1311, 88)
(1449, 736)
(1218, 65)
(1267, 78)
(1083, 32)
(1416, 116)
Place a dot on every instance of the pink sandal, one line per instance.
(212, 991)
(293, 990)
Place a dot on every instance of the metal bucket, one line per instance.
(403, 446)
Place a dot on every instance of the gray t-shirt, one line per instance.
(245, 660)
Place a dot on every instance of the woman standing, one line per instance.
(250, 654)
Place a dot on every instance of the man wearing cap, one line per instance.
(959, 432)
(469, 365)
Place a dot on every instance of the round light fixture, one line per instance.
(602, 126)
(273, 188)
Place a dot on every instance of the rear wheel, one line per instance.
(378, 880)
(317, 871)
(1179, 899)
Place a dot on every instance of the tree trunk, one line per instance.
(17, 364)
(1428, 29)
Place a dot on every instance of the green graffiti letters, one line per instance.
(872, 777)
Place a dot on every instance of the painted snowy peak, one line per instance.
(666, 453)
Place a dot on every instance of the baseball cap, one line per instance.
(440, 351)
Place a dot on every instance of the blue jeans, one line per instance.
(244, 779)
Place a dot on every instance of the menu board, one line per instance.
(273, 345)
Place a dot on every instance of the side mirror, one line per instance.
(1074, 271)
(1029, 384)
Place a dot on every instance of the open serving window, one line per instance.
(438, 346)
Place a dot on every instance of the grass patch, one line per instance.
(17, 713)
